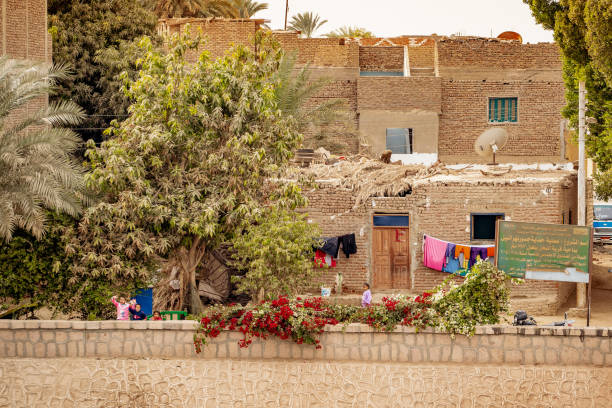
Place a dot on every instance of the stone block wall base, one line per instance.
(577, 312)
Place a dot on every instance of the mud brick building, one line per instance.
(428, 98)
(434, 94)
(24, 36)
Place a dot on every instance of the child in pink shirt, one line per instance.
(122, 308)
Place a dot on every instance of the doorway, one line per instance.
(391, 251)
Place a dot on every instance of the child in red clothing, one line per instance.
(156, 315)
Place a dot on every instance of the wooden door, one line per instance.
(391, 258)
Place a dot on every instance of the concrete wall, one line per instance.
(82, 364)
(373, 125)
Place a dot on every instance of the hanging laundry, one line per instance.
(490, 252)
(465, 251)
(477, 253)
(349, 245)
(330, 246)
(434, 252)
(321, 259)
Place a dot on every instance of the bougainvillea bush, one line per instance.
(457, 308)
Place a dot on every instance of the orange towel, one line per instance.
(490, 252)
(462, 249)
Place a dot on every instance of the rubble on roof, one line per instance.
(373, 178)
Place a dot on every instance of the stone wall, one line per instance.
(82, 364)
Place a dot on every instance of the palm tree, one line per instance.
(37, 167)
(248, 8)
(351, 32)
(196, 8)
(307, 23)
(294, 91)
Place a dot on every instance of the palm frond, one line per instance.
(37, 168)
(307, 23)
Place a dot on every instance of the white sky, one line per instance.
(386, 18)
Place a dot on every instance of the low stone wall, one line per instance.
(153, 364)
(356, 342)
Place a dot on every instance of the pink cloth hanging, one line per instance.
(434, 252)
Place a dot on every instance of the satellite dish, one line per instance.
(490, 142)
(510, 35)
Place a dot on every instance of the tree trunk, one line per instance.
(189, 261)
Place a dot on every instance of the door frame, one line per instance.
(396, 213)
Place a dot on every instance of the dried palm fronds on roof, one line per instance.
(369, 178)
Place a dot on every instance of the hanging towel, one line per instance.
(477, 252)
(433, 254)
(322, 259)
(490, 252)
(349, 245)
(450, 253)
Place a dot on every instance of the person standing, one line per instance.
(122, 308)
(366, 298)
(135, 312)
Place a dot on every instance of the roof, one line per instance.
(373, 178)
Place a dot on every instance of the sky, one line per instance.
(387, 18)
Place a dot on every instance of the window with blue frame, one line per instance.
(503, 110)
(391, 220)
(399, 140)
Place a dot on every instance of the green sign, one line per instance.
(544, 251)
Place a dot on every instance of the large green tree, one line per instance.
(93, 38)
(307, 23)
(191, 167)
(37, 168)
(582, 28)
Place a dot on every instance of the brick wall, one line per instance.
(490, 54)
(465, 116)
(381, 58)
(25, 34)
(399, 93)
(321, 52)
(442, 210)
(421, 53)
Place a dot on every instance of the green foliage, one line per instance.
(322, 120)
(307, 23)
(37, 167)
(480, 299)
(38, 270)
(582, 30)
(196, 8)
(276, 252)
(92, 37)
(350, 32)
(248, 8)
(188, 169)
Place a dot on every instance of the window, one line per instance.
(391, 220)
(483, 225)
(503, 110)
(399, 140)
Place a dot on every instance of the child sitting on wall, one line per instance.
(156, 315)
(135, 312)
(122, 308)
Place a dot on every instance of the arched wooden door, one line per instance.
(391, 251)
